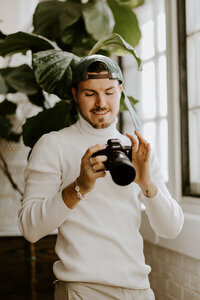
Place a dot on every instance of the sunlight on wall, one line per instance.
(16, 15)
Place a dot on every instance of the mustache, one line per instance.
(99, 109)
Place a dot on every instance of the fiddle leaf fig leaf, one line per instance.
(7, 108)
(51, 18)
(38, 98)
(6, 130)
(114, 43)
(63, 114)
(5, 126)
(126, 23)
(22, 42)
(2, 37)
(53, 71)
(76, 39)
(3, 85)
(22, 79)
(98, 17)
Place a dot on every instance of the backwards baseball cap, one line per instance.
(80, 72)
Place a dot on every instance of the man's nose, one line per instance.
(101, 100)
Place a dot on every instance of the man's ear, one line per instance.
(74, 93)
(121, 88)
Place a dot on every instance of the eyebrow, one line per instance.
(91, 90)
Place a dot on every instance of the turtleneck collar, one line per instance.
(86, 128)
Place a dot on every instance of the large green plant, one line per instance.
(63, 32)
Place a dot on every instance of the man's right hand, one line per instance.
(91, 169)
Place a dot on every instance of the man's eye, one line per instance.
(89, 94)
(109, 93)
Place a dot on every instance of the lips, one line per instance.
(100, 111)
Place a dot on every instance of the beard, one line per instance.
(100, 123)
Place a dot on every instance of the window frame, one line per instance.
(183, 100)
(190, 205)
(159, 54)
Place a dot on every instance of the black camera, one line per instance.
(119, 162)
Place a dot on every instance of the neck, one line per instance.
(89, 129)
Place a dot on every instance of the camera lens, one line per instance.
(121, 169)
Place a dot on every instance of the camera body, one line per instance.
(119, 162)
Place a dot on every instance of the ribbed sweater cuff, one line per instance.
(57, 206)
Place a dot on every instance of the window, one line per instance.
(189, 71)
(150, 85)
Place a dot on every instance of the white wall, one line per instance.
(16, 15)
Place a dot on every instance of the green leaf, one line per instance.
(3, 85)
(76, 39)
(22, 79)
(53, 71)
(52, 17)
(63, 114)
(128, 103)
(98, 17)
(38, 99)
(7, 108)
(131, 3)
(3, 74)
(126, 23)
(123, 106)
(2, 37)
(114, 43)
(5, 126)
(22, 42)
(6, 130)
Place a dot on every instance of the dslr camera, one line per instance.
(119, 162)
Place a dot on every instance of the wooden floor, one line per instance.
(26, 269)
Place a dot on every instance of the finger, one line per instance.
(98, 167)
(100, 174)
(148, 151)
(90, 151)
(144, 151)
(142, 146)
(133, 142)
(140, 138)
(141, 149)
(98, 159)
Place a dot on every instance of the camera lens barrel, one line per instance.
(121, 168)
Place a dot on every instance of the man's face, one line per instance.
(98, 101)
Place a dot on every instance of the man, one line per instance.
(99, 246)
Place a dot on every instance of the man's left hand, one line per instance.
(140, 160)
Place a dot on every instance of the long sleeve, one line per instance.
(43, 209)
(102, 229)
(164, 213)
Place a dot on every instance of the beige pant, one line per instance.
(93, 291)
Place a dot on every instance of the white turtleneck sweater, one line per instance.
(98, 241)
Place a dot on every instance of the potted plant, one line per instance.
(63, 31)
